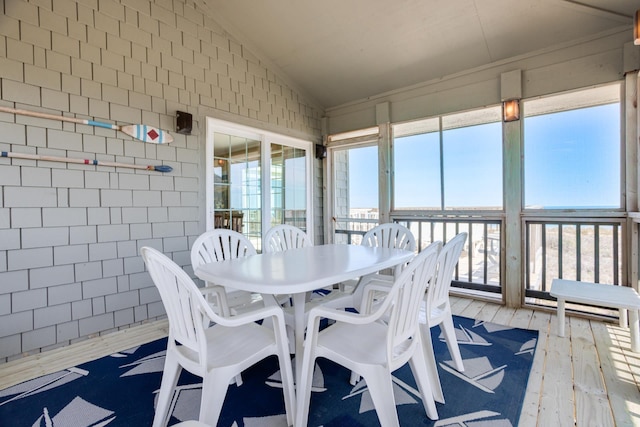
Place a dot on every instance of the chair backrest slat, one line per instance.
(408, 292)
(439, 293)
(283, 237)
(218, 245)
(390, 235)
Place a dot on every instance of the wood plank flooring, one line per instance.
(588, 378)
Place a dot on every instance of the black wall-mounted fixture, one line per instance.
(321, 151)
(184, 122)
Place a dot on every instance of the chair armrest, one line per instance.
(274, 312)
(370, 289)
(221, 295)
(218, 290)
(208, 290)
(252, 316)
(343, 316)
(316, 313)
(333, 314)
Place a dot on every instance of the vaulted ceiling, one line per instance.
(339, 51)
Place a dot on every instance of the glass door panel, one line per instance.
(237, 184)
(288, 186)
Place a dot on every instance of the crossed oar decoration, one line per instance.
(141, 132)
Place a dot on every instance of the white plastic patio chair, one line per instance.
(436, 303)
(283, 237)
(436, 308)
(280, 238)
(218, 245)
(374, 349)
(388, 235)
(216, 353)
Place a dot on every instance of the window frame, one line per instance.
(329, 177)
(577, 211)
(494, 111)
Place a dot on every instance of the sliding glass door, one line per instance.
(256, 179)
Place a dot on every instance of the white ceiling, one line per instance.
(339, 51)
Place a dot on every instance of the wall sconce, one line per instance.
(636, 28)
(321, 151)
(184, 122)
(511, 110)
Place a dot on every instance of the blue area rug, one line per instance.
(120, 389)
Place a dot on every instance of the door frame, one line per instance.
(266, 138)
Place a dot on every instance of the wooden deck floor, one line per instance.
(588, 378)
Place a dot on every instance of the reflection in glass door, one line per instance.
(237, 185)
(288, 186)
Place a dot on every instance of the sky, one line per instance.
(576, 159)
(572, 159)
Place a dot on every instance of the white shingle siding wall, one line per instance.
(70, 233)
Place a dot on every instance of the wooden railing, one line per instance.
(586, 249)
(480, 262)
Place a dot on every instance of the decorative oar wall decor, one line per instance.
(142, 132)
(159, 168)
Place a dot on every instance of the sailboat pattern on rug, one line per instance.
(121, 389)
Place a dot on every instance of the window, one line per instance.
(572, 150)
(452, 162)
(355, 204)
(416, 159)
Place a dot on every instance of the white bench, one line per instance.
(621, 297)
